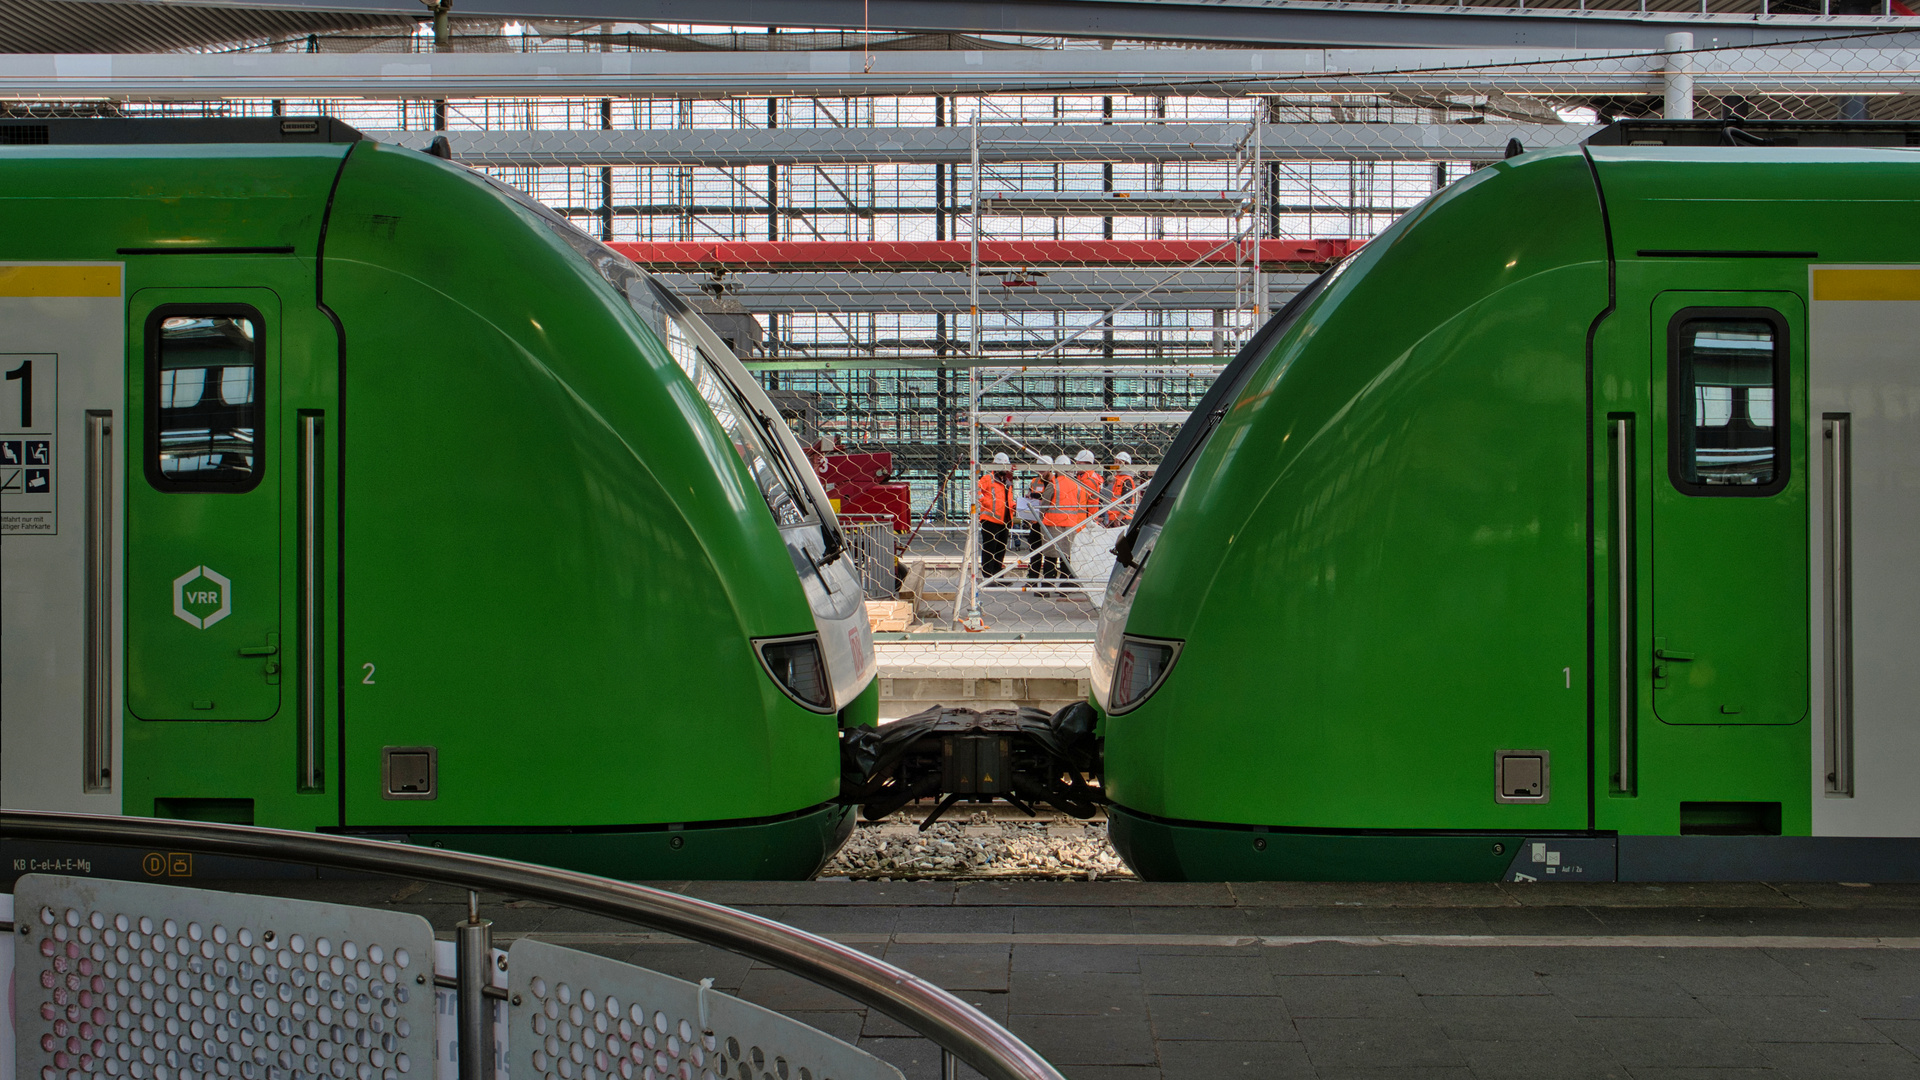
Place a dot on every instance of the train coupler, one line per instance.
(1025, 757)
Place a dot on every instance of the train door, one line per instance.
(62, 403)
(229, 373)
(1864, 376)
(204, 629)
(1717, 662)
(1728, 519)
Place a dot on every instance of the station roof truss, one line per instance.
(1889, 64)
(86, 25)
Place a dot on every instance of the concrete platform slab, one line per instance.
(1132, 981)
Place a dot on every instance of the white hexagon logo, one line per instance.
(217, 589)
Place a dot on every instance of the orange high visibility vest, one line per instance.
(1091, 495)
(996, 504)
(1063, 498)
(1123, 484)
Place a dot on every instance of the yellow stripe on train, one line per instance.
(68, 280)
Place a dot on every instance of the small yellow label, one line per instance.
(59, 280)
(1899, 283)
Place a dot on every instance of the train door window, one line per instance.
(205, 416)
(1727, 372)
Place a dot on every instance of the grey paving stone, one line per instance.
(1478, 973)
(841, 1024)
(1828, 894)
(1731, 972)
(857, 919)
(1792, 1020)
(1534, 1056)
(1904, 1032)
(1605, 894)
(1895, 997)
(1398, 1073)
(917, 1059)
(1498, 1019)
(1705, 1073)
(1328, 958)
(1086, 1040)
(955, 967)
(782, 992)
(1814, 1061)
(1541, 920)
(1253, 1019)
(1311, 894)
(1603, 995)
(828, 893)
(1223, 972)
(1349, 996)
(1671, 1042)
(1191, 920)
(689, 962)
(1111, 1072)
(1094, 893)
(1210, 1059)
(1088, 994)
(1075, 958)
(879, 1026)
(1073, 920)
(954, 920)
(1394, 1043)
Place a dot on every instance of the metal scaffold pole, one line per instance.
(1260, 208)
(967, 597)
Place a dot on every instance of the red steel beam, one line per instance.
(954, 254)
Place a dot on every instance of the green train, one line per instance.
(347, 489)
(1565, 531)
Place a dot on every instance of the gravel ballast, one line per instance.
(982, 846)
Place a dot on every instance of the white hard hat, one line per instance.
(825, 444)
(1123, 458)
(1063, 460)
(1084, 457)
(1002, 459)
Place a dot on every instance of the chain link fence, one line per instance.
(1044, 267)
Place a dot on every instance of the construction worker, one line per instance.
(995, 496)
(1092, 484)
(1120, 491)
(1062, 513)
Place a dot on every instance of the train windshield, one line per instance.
(1157, 499)
(724, 400)
(752, 425)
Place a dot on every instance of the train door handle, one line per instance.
(259, 650)
(1676, 657)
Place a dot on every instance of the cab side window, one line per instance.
(206, 369)
(1727, 385)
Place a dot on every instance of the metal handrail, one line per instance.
(950, 1023)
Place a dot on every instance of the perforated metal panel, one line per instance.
(127, 979)
(576, 1016)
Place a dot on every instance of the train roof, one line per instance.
(123, 131)
(1759, 133)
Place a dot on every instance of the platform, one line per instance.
(1047, 673)
(1133, 981)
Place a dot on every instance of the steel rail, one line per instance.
(953, 1025)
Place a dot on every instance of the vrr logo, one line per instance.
(200, 589)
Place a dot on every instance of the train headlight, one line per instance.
(798, 668)
(1142, 666)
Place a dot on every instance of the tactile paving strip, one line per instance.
(154, 982)
(576, 1016)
